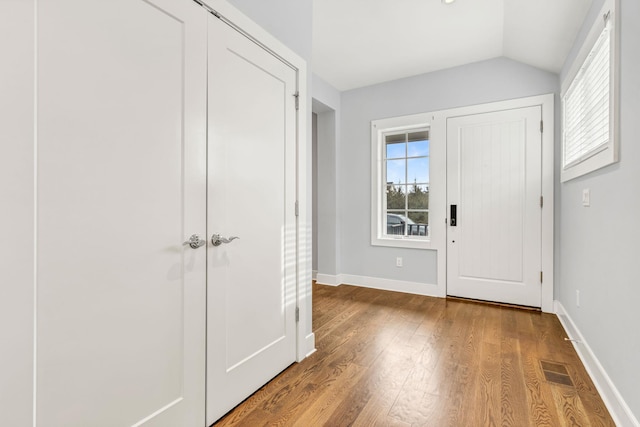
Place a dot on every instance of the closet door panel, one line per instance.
(251, 195)
(16, 198)
(121, 151)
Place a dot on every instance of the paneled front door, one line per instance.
(493, 196)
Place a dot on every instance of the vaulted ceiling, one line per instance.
(362, 42)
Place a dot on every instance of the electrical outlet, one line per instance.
(577, 298)
(399, 262)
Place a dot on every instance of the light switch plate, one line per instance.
(586, 197)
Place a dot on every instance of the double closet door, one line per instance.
(158, 125)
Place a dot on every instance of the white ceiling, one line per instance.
(362, 42)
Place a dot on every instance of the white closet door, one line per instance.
(251, 194)
(16, 215)
(121, 184)
(494, 180)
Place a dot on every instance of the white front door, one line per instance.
(121, 184)
(251, 195)
(493, 196)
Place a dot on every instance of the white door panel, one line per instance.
(16, 225)
(251, 194)
(121, 184)
(494, 179)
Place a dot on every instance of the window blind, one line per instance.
(586, 105)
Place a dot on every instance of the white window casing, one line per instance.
(380, 129)
(589, 99)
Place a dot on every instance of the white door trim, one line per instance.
(304, 335)
(546, 102)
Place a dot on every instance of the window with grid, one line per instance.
(588, 100)
(405, 185)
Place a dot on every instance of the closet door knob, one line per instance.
(195, 241)
(217, 240)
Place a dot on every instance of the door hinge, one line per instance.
(297, 97)
(541, 126)
(541, 201)
(541, 277)
(297, 208)
(297, 314)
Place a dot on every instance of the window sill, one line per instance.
(401, 242)
(604, 158)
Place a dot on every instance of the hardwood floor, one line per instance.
(392, 359)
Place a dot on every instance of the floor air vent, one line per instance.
(556, 373)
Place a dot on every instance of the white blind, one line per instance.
(586, 105)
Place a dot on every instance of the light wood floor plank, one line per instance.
(391, 359)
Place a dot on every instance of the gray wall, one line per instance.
(487, 81)
(600, 245)
(326, 103)
(314, 190)
(290, 21)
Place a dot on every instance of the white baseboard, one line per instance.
(328, 279)
(618, 408)
(391, 285)
(417, 288)
(314, 274)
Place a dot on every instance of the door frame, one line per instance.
(305, 338)
(546, 103)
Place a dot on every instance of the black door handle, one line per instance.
(453, 215)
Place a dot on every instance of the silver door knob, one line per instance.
(217, 240)
(195, 241)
